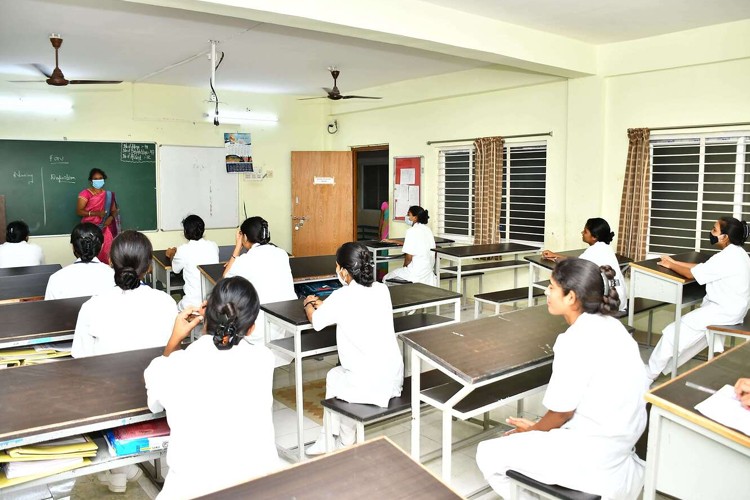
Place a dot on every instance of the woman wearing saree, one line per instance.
(94, 207)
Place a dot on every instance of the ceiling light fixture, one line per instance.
(40, 105)
(242, 117)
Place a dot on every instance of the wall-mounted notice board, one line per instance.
(41, 181)
(407, 183)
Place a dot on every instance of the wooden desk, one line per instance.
(375, 469)
(537, 263)
(651, 281)
(55, 400)
(689, 455)
(39, 322)
(377, 246)
(161, 270)
(739, 330)
(458, 254)
(474, 354)
(28, 282)
(290, 316)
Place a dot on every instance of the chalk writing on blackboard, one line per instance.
(23, 176)
(55, 159)
(62, 178)
(137, 153)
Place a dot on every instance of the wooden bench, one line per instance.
(740, 330)
(521, 482)
(503, 297)
(439, 387)
(477, 270)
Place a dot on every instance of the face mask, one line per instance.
(341, 280)
(408, 221)
(713, 239)
(98, 183)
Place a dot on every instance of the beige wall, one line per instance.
(173, 115)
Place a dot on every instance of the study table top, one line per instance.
(399, 242)
(39, 321)
(486, 348)
(318, 267)
(25, 282)
(652, 267)
(40, 402)
(550, 264)
(375, 469)
(402, 296)
(475, 251)
(160, 256)
(27, 270)
(680, 399)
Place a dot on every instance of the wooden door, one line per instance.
(322, 207)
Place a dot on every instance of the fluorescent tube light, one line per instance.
(239, 118)
(41, 105)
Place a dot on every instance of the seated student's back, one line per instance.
(87, 275)
(17, 251)
(188, 256)
(131, 315)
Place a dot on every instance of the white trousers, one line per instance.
(691, 342)
(341, 426)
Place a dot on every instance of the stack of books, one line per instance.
(34, 355)
(26, 463)
(138, 438)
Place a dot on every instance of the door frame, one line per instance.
(355, 177)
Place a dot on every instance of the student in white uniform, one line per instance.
(596, 411)
(217, 394)
(128, 317)
(87, 275)
(371, 371)
(598, 235)
(188, 256)
(727, 279)
(17, 251)
(419, 259)
(266, 266)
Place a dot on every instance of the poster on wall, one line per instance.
(238, 151)
(407, 180)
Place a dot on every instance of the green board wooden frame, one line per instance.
(41, 181)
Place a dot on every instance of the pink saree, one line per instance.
(95, 203)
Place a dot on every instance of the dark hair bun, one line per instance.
(357, 260)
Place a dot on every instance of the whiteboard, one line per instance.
(194, 180)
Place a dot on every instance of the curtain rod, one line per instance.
(505, 137)
(703, 126)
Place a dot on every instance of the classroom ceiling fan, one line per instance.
(334, 94)
(56, 77)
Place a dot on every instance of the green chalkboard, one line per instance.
(41, 181)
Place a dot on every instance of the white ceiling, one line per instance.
(115, 40)
(606, 21)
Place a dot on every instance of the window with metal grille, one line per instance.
(694, 181)
(522, 212)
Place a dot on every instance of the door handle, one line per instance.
(300, 221)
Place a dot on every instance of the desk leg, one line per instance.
(447, 446)
(437, 268)
(298, 396)
(631, 297)
(459, 287)
(677, 319)
(457, 309)
(532, 279)
(416, 373)
(654, 436)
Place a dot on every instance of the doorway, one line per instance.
(372, 190)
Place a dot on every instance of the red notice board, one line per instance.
(407, 184)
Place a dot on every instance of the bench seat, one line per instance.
(544, 490)
(470, 269)
(503, 297)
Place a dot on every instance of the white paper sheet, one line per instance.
(413, 195)
(402, 206)
(408, 175)
(402, 192)
(725, 408)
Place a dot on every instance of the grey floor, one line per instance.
(466, 477)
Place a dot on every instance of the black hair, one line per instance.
(193, 227)
(357, 260)
(256, 230)
(420, 213)
(87, 240)
(599, 229)
(16, 232)
(99, 171)
(231, 310)
(737, 230)
(587, 279)
(130, 256)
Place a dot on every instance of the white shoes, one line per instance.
(319, 447)
(118, 481)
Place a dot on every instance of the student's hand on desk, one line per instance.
(549, 255)
(314, 299)
(666, 261)
(169, 252)
(742, 389)
(520, 424)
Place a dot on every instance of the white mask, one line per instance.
(408, 221)
(341, 280)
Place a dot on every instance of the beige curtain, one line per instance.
(488, 183)
(636, 197)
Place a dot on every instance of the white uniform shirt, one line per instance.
(20, 254)
(419, 242)
(119, 320)
(219, 409)
(267, 268)
(186, 260)
(727, 279)
(80, 279)
(601, 254)
(366, 340)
